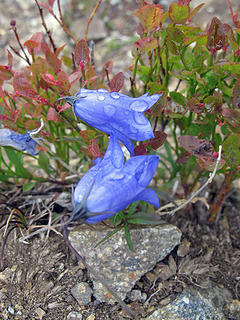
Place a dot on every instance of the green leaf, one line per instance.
(43, 162)
(16, 157)
(109, 235)
(145, 218)
(132, 208)
(178, 14)
(28, 186)
(231, 148)
(128, 237)
(178, 97)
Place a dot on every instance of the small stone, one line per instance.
(11, 310)
(115, 263)
(135, 295)
(82, 293)
(91, 317)
(74, 316)
(40, 313)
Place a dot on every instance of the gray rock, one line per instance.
(82, 293)
(195, 304)
(118, 265)
(74, 316)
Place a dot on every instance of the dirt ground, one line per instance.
(36, 277)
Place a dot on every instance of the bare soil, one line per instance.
(37, 276)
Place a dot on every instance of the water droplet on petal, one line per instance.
(140, 118)
(101, 98)
(115, 95)
(109, 110)
(116, 176)
(139, 105)
(102, 90)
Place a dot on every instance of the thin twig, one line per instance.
(90, 18)
(210, 179)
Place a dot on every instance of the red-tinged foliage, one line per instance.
(82, 53)
(5, 74)
(179, 13)
(52, 115)
(51, 3)
(195, 146)
(87, 135)
(63, 82)
(216, 37)
(94, 149)
(158, 140)
(31, 45)
(183, 2)
(202, 150)
(49, 80)
(235, 19)
(236, 94)
(232, 116)
(75, 77)
(146, 44)
(63, 107)
(150, 16)
(195, 105)
(140, 150)
(53, 61)
(117, 82)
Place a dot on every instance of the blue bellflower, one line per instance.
(22, 142)
(111, 185)
(115, 113)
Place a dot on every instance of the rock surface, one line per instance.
(195, 304)
(113, 260)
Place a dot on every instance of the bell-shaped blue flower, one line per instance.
(112, 184)
(23, 142)
(115, 112)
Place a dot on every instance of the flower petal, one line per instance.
(149, 196)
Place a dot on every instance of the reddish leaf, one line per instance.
(236, 94)
(215, 35)
(21, 81)
(146, 44)
(179, 13)
(87, 135)
(140, 150)
(64, 107)
(60, 49)
(30, 44)
(210, 163)
(195, 146)
(117, 82)
(52, 115)
(5, 73)
(81, 53)
(195, 105)
(75, 76)
(63, 82)
(94, 149)
(51, 3)
(158, 140)
(37, 37)
(150, 16)
(53, 61)
(232, 116)
(49, 79)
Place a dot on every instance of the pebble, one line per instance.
(82, 293)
